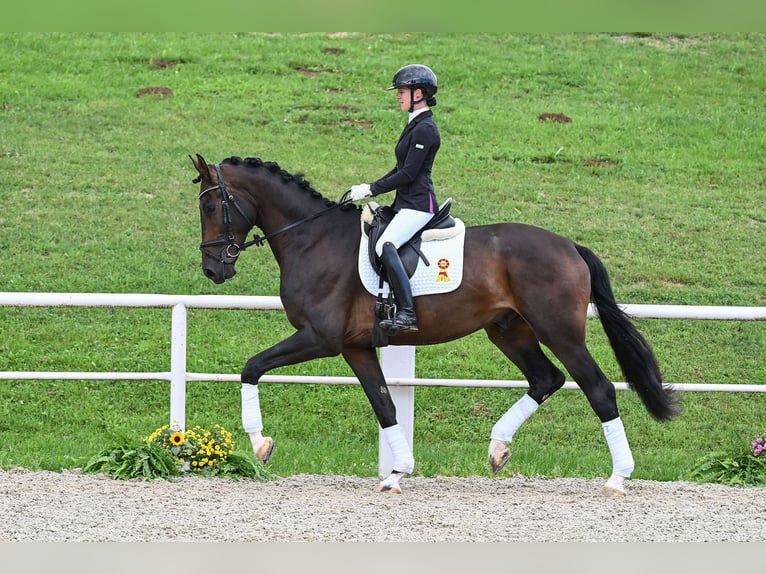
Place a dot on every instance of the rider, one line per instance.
(415, 200)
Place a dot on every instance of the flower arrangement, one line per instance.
(196, 449)
(747, 468)
(169, 452)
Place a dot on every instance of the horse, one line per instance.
(524, 285)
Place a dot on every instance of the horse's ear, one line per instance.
(201, 166)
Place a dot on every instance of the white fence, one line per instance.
(398, 362)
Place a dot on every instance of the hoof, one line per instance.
(614, 486)
(613, 492)
(498, 458)
(391, 484)
(264, 450)
(393, 489)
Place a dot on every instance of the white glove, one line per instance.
(360, 191)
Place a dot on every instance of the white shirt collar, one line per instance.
(416, 113)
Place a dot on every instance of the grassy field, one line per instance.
(659, 171)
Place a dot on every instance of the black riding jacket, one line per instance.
(415, 153)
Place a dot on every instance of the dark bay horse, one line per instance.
(523, 285)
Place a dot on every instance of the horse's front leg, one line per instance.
(366, 367)
(304, 345)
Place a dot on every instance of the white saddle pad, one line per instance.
(444, 272)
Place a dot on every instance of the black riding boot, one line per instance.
(404, 318)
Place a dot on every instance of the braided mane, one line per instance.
(287, 177)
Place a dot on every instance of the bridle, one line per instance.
(231, 249)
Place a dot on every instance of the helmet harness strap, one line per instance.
(412, 97)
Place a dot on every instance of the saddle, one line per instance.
(376, 218)
(441, 238)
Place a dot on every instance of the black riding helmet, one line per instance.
(416, 76)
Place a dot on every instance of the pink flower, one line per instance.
(759, 446)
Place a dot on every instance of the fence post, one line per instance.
(397, 362)
(178, 367)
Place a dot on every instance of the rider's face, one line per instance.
(404, 96)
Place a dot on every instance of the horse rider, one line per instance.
(415, 201)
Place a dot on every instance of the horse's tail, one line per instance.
(633, 353)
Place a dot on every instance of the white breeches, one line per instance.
(405, 224)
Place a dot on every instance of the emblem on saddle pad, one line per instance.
(435, 265)
(443, 265)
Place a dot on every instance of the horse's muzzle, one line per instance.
(218, 272)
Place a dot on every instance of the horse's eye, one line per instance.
(209, 208)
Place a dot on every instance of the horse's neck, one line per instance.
(278, 208)
(326, 242)
(311, 234)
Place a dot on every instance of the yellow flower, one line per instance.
(198, 447)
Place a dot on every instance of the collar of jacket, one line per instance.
(416, 113)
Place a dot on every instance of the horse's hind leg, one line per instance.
(602, 397)
(518, 342)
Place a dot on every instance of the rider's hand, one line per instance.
(360, 191)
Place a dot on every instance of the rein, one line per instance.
(231, 251)
(258, 240)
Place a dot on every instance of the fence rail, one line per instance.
(398, 362)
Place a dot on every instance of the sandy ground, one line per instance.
(69, 506)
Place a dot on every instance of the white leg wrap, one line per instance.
(622, 458)
(510, 422)
(403, 460)
(251, 409)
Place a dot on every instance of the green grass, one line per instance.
(660, 172)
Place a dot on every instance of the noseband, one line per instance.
(231, 249)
